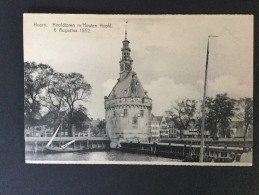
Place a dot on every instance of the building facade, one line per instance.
(167, 129)
(155, 127)
(127, 107)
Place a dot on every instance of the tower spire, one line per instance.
(126, 29)
(126, 61)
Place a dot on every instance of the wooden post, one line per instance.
(36, 147)
(87, 143)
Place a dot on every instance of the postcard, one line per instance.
(138, 89)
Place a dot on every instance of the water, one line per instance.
(112, 155)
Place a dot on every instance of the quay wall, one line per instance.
(186, 152)
(221, 142)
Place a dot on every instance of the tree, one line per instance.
(54, 98)
(36, 78)
(58, 92)
(211, 118)
(101, 126)
(99, 129)
(245, 113)
(76, 89)
(80, 119)
(220, 113)
(183, 112)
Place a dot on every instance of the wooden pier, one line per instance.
(35, 144)
(186, 152)
(233, 142)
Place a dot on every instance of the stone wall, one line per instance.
(128, 119)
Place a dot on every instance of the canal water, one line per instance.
(112, 155)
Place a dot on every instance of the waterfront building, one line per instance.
(155, 127)
(167, 129)
(38, 131)
(127, 107)
(193, 132)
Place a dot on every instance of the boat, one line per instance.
(63, 148)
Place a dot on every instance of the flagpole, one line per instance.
(203, 103)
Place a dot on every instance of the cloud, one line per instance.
(108, 85)
(164, 92)
(230, 85)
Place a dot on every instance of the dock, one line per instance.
(35, 144)
(186, 152)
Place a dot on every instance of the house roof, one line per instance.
(128, 86)
(156, 118)
(51, 115)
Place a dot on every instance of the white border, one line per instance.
(235, 164)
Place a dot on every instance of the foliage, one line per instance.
(36, 78)
(183, 112)
(57, 92)
(54, 98)
(99, 129)
(220, 112)
(245, 113)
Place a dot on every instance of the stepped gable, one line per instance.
(128, 86)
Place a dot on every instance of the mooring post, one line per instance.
(225, 147)
(154, 149)
(87, 143)
(238, 157)
(207, 153)
(36, 147)
(184, 151)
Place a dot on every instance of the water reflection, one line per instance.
(94, 156)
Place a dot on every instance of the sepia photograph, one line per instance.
(138, 89)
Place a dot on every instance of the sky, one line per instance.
(168, 52)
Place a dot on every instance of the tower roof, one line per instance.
(128, 86)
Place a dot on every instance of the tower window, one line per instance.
(114, 113)
(135, 120)
(141, 114)
(125, 112)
